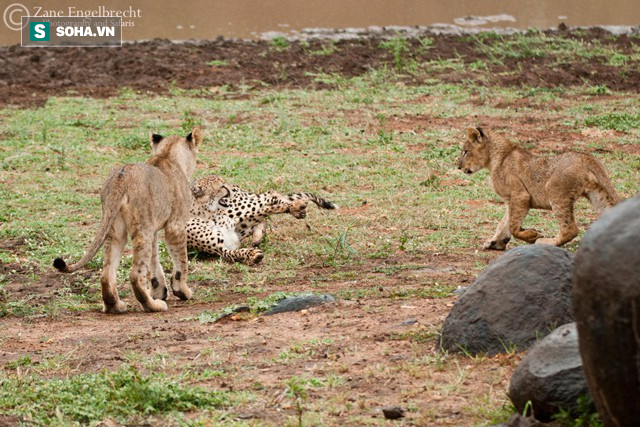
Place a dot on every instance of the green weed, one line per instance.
(125, 394)
(190, 120)
(218, 63)
(584, 415)
(327, 48)
(279, 44)
(400, 48)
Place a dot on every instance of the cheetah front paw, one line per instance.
(298, 209)
(255, 257)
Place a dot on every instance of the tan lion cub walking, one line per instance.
(139, 200)
(526, 181)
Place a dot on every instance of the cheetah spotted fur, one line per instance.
(222, 215)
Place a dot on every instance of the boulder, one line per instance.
(519, 298)
(606, 291)
(550, 376)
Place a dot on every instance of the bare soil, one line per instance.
(369, 340)
(373, 342)
(28, 76)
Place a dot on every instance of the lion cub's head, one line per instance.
(475, 151)
(181, 150)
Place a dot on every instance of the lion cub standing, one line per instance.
(526, 181)
(139, 200)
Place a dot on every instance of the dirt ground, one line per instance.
(28, 76)
(357, 339)
(362, 340)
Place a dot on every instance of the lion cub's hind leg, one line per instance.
(140, 272)
(113, 247)
(158, 281)
(176, 238)
(563, 211)
(502, 235)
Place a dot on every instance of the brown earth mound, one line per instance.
(28, 76)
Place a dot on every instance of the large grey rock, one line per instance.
(519, 298)
(607, 305)
(550, 376)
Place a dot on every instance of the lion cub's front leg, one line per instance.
(501, 237)
(518, 210)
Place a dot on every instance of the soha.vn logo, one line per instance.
(39, 31)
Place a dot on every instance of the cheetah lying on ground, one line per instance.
(223, 214)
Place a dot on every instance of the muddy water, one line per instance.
(207, 19)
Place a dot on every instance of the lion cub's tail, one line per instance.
(110, 211)
(602, 195)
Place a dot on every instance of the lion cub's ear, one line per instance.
(155, 138)
(195, 137)
(475, 134)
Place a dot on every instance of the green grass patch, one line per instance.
(124, 395)
(622, 122)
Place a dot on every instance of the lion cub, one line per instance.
(526, 181)
(138, 200)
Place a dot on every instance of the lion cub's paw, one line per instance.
(546, 241)
(159, 289)
(184, 294)
(530, 235)
(118, 308)
(496, 245)
(156, 305)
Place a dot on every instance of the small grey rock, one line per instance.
(550, 376)
(393, 412)
(299, 303)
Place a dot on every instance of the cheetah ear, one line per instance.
(197, 191)
(475, 134)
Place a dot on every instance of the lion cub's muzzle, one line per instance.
(463, 168)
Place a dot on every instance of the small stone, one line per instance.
(550, 377)
(300, 302)
(393, 412)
